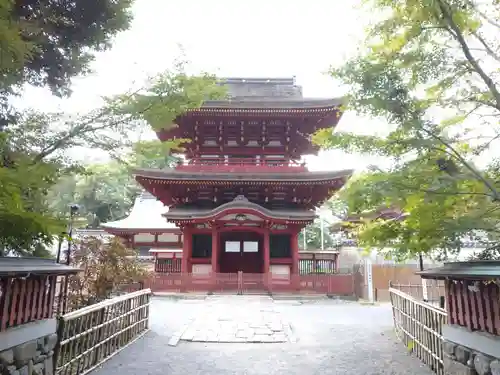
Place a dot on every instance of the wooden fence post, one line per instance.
(60, 332)
(369, 277)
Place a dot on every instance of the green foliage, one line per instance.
(167, 96)
(24, 225)
(153, 154)
(37, 167)
(313, 237)
(429, 69)
(106, 192)
(47, 42)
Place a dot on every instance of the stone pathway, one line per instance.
(253, 322)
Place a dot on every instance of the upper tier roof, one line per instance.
(241, 87)
(256, 109)
(271, 104)
(147, 213)
(266, 93)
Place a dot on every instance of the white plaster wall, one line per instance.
(168, 237)
(280, 270)
(202, 269)
(144, 237)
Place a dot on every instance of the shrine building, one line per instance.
(242, 194)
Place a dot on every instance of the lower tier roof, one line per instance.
(238, 209)
(170, 174)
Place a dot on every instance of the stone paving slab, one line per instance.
(253, 322)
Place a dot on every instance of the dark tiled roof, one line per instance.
(172, 174)
(12, 266)
(259, 80)
(475, 270)
(273, 103)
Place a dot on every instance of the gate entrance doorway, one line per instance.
(241, 251)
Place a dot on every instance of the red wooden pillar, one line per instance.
(295, 252)
(215, 250)
(186, 250)
(267, 252)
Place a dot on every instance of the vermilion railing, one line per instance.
(242, 283)
(234, 164)
(23, 300)
(168, 265)
(476, 307)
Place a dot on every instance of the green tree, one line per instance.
(106, 192)
(429, 70)
(42, 140)
(47, 42)
(313, 237)
(25, 224)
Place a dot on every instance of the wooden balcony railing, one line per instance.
(242, 165)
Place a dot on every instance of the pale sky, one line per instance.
(258, 38)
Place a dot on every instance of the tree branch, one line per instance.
(488, 49)
(457, 34)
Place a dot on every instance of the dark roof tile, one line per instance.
(473, 270)
(13, 266)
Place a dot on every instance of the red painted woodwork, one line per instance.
(169, 265)
(267, 254)
(281, 261)
(215, 250)
(247, 141)
(274, 194)
(200, 261)
(290, 128)
(186, 250)
(23, 300)
(250, 164)
(474, 305)
(240, 282)
(247, 262)
(295, 252)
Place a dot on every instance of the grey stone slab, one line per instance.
(457, 368)
(278, 338)
(199, 338)
(25, 352)
(495, 367)
(245, 333)
(7, 357)
(174, 340)
(263, 331)
(263, 338)
(188, 335)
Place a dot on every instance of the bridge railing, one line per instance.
(89, 336)
(419, 325)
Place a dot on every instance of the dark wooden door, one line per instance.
(241, 251)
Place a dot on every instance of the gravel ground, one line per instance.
(333, 337)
